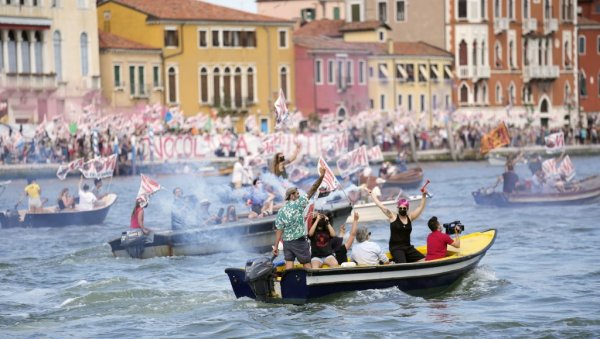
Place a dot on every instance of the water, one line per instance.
(540, 279)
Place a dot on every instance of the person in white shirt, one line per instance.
(366, 252)
(86, 197)
(240, 175)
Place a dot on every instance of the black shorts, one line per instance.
(406, 254)
(297, 249)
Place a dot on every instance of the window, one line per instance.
(410, 108)
(410, 73)
(382, 102)
(598, 44)
(171, 38)
(581, 45)
(330, 71)
(422, 73)
(227, 87)
(582, 84)
(401, 10)
(401, 74)
(361, 72)
(172, 85)
(349, 72)
(463, 53)
(156, 76)
(340, 74)
(215, 38)
(319, 71)
(433, 73)
(498, 94)
(283, 82)
(132, 80)
(38, 50)
(383, 72)
(56, 42)
(283, 43)
(216, 87)
(434, 102)
(250, 84)
(464, 94)
(399, 100)
(141, 81)
(336, 13)
(25, 52)
(498, 55)
(526, 9)
(382, 11)
(381, 36)
(355, 10)
(482, 8)
(117, 76)
(83, 41)
(203, 38)
(462, 9)
(497, 9)
(307, 14)
(510, 4)
(203, 85)
(422, 103)
(237, 87)
(511, 50)
(511, 94)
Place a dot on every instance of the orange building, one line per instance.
(588, 48)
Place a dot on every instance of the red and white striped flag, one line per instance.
(567, 169)
(281, 110)
(375, 154)
(555, 143)
(329, 180)
(148, 187)
(549, 168)
(72, 166)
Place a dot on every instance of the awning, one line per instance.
(448, 71)
(402, 71)
(435, 70)
(383, 70)
(7, 22)
(423, 72)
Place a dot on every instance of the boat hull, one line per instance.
(59, 219)
(298, 286)
(589, 190)
(408, 179)
(256, 234)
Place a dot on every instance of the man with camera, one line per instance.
(437, 241)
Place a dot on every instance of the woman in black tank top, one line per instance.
(401, 249)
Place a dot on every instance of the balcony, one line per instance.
(464, 72)
(550, 25)
(500, 25)
(540, 72)
(529, 25)
(39, 82)
(481, 72)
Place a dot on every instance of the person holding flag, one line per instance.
(137, 216)
(291, 228)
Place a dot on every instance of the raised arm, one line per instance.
(385, 211)
(316, 185)
(416, 213)
(350, 240)
(313, 228)
(295, 154)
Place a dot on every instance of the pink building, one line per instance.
(588, 45)
(330, 72)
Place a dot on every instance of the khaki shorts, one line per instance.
(297, 249)
(35, 203)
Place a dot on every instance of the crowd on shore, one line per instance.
(69, 145)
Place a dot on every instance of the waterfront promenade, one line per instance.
(211, 165)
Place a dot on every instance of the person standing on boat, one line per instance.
(241, 174)
(32, 191)
(86, 197)
(510, 179)
(137, 216)
(291, 228)
(400, 229)
(437, 241)
(280, 162)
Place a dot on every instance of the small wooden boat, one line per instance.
(370, 212)
(576, 192)
(52, 217)
(257, 234)
(261, 281)
(410, 178)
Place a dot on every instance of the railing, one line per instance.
(500, 25)
(28, 81)
(529, 25)
(541, 72)
(550, 25)
(481, 72)
(464, 72)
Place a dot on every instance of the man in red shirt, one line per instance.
(437, 241)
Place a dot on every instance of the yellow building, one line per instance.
(413, 77)
(213, 57)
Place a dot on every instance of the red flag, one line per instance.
(148, 186)
(329, 180)
(497, 137)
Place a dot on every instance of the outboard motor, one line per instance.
(9, 219)
(133, 242)
(259, 275)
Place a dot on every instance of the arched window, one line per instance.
(511, 60)
(498, 55)
(283, 81)
(172, 74)
(237, 87)
(83, 42)
(56, 42)
(203, 85)
(1, 50)
(464, 94)
(582, 84)
(476, 93)
(227, 87)
(497, 9)
(483, 53)
(525, 52)
(25, 55)
(474, 53)
(511, 94)
(216, 87)
(250, 84)
(525, 9)
(498, 93)
(567, 93)
(567, 55)
(39, 55)
(484, 94)
(462, 53)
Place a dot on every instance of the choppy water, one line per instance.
(540, 279)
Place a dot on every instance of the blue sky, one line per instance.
(244, 5)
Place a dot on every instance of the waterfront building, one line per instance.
(48, 59)
(588, 48)
(213, 57)
(302, 11)
(514, 59)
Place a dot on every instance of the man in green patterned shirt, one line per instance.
(290, 225)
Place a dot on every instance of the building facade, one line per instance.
(132, 74)
(411, 77)
(48, 59)
(588, 51)
(213, 57)
(302, 11)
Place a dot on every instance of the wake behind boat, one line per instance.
(52, 217)
(255, 234)
(261, 281)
